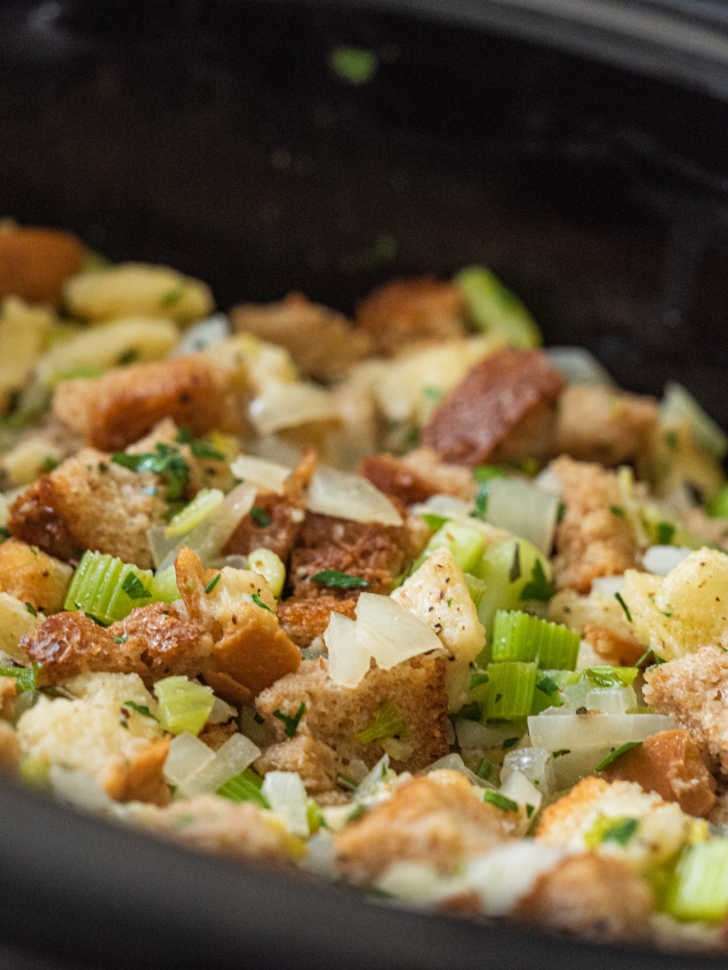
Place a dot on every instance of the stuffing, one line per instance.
(279, 518)
(475, 420)
(322, 342)
(377, 553)
(591, 540)
(438, 595)
(678, 613)
(16, 622)
(314, 761)
(611, 648)
(692, 690)
(251, 365)
(89, 502)
(671, 764)
(597, 423)
(35, 262)
(32, 576)
(33, 454)
(214, 824)
(305, 618)
(91, 734)
(9, 747)
(596, 896)
(334, 715)
(129, 289)
(115, 410)
(579, 819)
(438, 820)
(403, 311)
(417, 476)
(595, 610)
(8, 693)
(222, 635)
(24, 331)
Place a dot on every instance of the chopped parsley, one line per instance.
(655, 659)
(617, 510)
(213, 583)
(139, 708)
(485, 769)
(49, 463)
(500, 801)
(346, 782)
(31, 609)
(358, 812)
(671, 439)
(261, 603)
(120, 639)
(203, 449)
(290, 723)
(165, 461)
(476, 679)
(560, 513)
(538, 587)
(481, 501)
(128, 356)
(529, 810)
(618, 598)
(483, 473)
(386, 723)
(509, 743)
(561, 752)
(617, 753)
(514, 573)
(134, 587)
(609, 829)
(665, 533)
(548, 685)
(260, 517)
(335, 578)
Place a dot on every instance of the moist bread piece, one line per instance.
(32, 576)
(600, 424)
(305, 618)
(115, 410)
(35, 262)
(417, 476)
(591, 539)
(475, 420)
(437, 819)
(316, 762)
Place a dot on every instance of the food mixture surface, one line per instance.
(405, 600)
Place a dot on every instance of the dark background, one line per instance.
(215, 137)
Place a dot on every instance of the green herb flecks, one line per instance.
(165, 461)
(213, 583)
(26, 678)
(538, 586)
(260, 517)
(139, 708)
(134, 587)
(500, 801)
(618, 598)
(290, 723)
(336, 579)
(617, 753)
(386, 723)
(261, 603)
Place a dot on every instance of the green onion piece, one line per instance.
(386, 723)
(291, 723)
(213, 583)
(698, 889)
(519, 636)
(184, 705)
(607, 828)
(244, 787)
(107, 588)
(481, 501)
(644, 659)
(466, 545)
(260, 602)
(270, 566)
(617, 753)
(478, 678)
(625, 608)
(139, 708)
(26, 678)
(606, 676)
(494, 308)
(205, 449)
(335, 579)
(500, 801)
(260, 517)
(510, 689)
(485, 769)
(344, 781)
(202, 505)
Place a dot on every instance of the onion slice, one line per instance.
(289, 405)
(349, 496)
(556, 731)
(286, 796)
(267, 475)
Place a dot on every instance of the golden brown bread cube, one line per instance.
(603, 425)
(32, 576)
(35, 262)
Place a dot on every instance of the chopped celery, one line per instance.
(494, 308)
(270, 566)
(466, 545)
(679, 405)
(515, 636)
(476, 587)
(184, 705)
(605, 675)
(510, 692)
(244, 787)
(205, 502)
(506, 569)
(698, 889)
(386, 723)
(107, 588)
(549, 685)
(719, 504)
(164, 586)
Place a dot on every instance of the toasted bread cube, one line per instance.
(32, 576)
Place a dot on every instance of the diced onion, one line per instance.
(522, 791)
(187, 755)
(557, 731)
(78, 788)
(286, 796)
(389, 632)
(524, 509)
(289, 405)
(374, 779)
(414, 882)
(211, 330)
(320, 859)
(536, 764)
(446, 506)
(454, 762)
(268, 476)
(221, 712)
(347, 496)
(209, 537)
(474, 735)
(572, 766)
(608, 585)
(507, 873)
(348, 659)
(237, 754)
(660, 560)
(611, 700)
(578, 366)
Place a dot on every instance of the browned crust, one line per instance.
(490, 403)
(305, 618)
(35, 262)
(140, 779)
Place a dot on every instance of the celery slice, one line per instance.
(244, 787)
(511, 687)
(386, 723)
(270, 566)
(506, 570)
(205, 502)
(494, 308)
(164, 586)
(476, 587)
(107, 588)
(184, 705)
(519, 636)
(466, 545)
(698, 889)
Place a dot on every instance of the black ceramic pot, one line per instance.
(582, 154)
